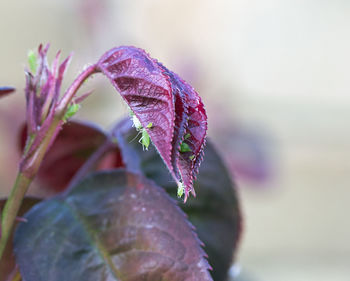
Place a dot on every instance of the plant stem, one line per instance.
(30, 165)
(25, 176)
(75, 86)
(11, 208)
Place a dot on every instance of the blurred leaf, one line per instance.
(75, 143)
(111, 226)
(159, 97)
(8, 263)
(4, 91)
(248, 153)
(214, 212)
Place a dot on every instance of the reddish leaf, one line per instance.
(4, 91)
(159, 97)
(146, 90)
(190, 129)
(111, 226)
(75, 143)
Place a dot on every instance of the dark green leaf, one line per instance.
(215, 210)
(111, 226)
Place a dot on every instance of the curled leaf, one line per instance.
(146, 91)
(158, 96)
(190, 130)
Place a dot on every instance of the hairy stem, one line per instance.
(30, 164)
(68, 96)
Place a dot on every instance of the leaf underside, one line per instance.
(111, 226)
(158, 96)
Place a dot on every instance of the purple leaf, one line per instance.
(4, 91)
(159, 97)
(190, 129)
(111, 226)
(75, 143)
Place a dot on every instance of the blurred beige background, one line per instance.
(281, 67)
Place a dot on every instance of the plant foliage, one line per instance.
(120, 223)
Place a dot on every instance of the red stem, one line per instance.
(69, 94)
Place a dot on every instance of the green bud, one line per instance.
(32, 61)
(71, 111)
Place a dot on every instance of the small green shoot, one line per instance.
(71, 111)
(32, 61)
(192, 157)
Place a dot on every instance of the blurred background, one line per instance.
(274, 78)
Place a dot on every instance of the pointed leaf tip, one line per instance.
(4, 91)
